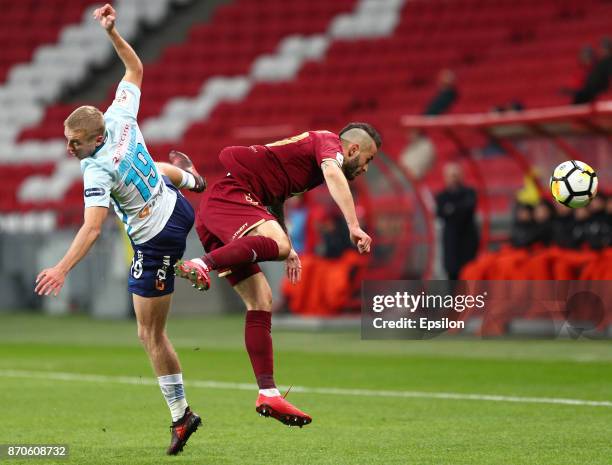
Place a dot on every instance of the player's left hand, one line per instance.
(50, 280)
(106, 16)
(294, 267)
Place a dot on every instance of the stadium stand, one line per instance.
(55, 67)
(198, 98)
(29, 24)
(264, 69)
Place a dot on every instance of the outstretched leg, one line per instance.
(151, 315)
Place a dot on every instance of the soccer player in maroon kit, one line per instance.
(237, 231)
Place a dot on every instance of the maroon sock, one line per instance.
(248, 249)
(258, 342)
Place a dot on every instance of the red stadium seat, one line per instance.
(487, 43)
(29, 24)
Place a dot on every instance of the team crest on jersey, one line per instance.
(122, 99)
(94, 192)
(249, 199)
(339, 158)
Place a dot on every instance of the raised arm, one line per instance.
(106, 16)
(341, 193)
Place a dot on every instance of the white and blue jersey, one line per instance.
(122, 172)
(156, 216)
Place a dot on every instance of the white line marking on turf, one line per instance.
(57, 376)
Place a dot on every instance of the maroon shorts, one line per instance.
(229, 211)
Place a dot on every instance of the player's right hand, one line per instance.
(360, 238)
(106, 16)
(50, 280)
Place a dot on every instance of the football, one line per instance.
(573, 183)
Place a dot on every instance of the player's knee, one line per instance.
(143, 335)
(284, 247)
(267, 300)
(261, 301)
(149, 336)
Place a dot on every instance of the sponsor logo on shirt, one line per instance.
(146, 211)
(94, 192)
(125, 133)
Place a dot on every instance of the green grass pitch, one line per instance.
(112, 421)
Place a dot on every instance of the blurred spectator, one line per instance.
(522, 231)
(492, 148)
(419, 155)
(598, 232)
(456, 205)
(512, 105)
(598, 79)
(609, 215)
(581, 221)
(335, 237)
(577, 81)
(542, 223)
(529, 194)
(562, 226)
(446, 96)
(516, 105)
(588, 229)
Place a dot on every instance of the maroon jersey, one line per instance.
(281, 169)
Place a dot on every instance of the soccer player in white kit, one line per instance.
(118, 169)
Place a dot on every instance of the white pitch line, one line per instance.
(58, 376)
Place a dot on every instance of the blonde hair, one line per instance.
(88, 119)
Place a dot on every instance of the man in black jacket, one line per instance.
(456, 206)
